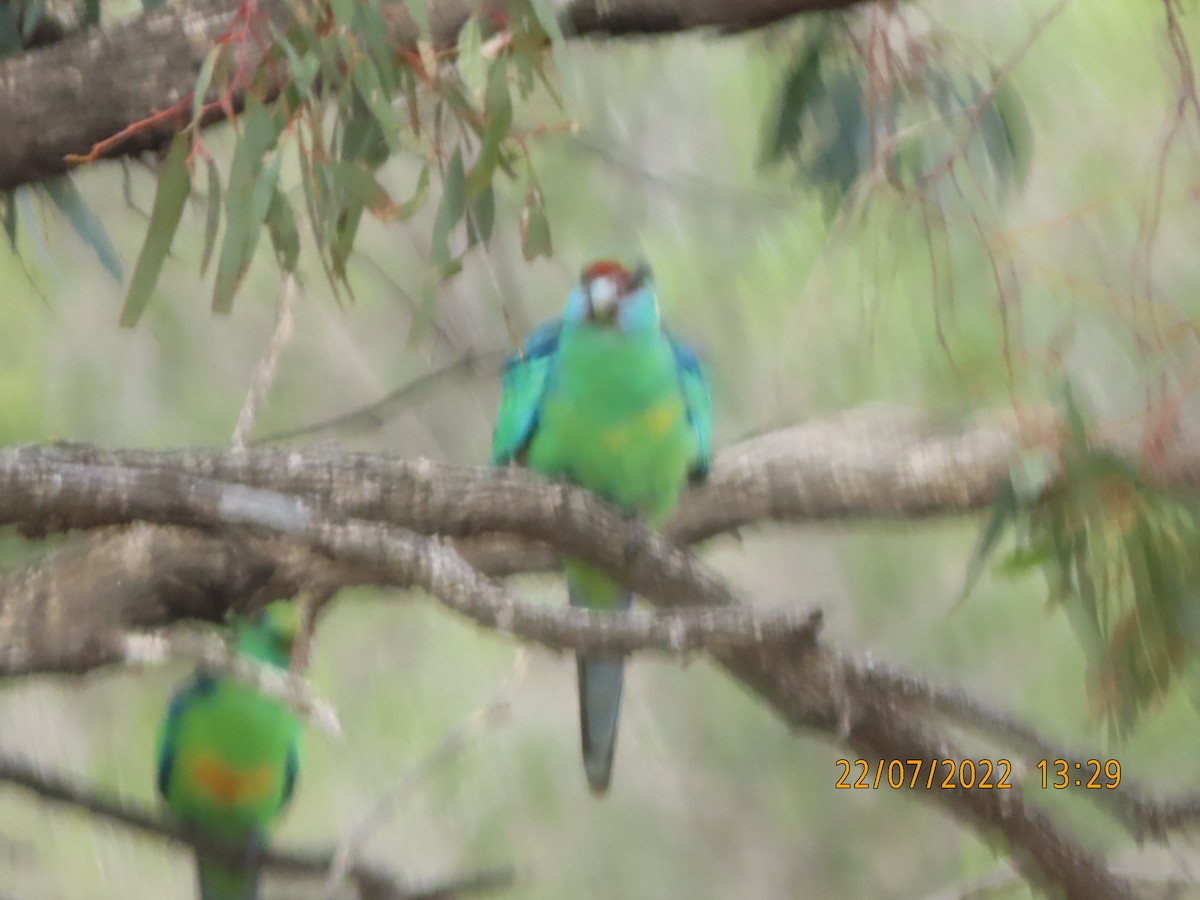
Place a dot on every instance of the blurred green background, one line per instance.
(798, 317)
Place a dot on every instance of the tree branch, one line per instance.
(63, 611)
(810, 686)
(66, 495)
(61, 99)
(862, 464)
(370, 881)
(213, 655)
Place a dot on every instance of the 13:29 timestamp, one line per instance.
(1091, 773)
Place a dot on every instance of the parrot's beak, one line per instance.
(603, 297)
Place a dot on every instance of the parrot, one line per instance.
(228, 756)
(607, 398)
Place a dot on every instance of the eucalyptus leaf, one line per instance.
(285, 236)
(451, 209)
(212, 217)
(499, 121)
(10, 30)
(174, 186)
(62, 191)
(802, 87)
(535, 227)
(10, 217)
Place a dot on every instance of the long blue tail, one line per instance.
(601, 677)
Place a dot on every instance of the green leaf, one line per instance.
(471, 64)
(419, 10)
(546, 12)
(370, 89)
(499, 121)
(10, 30)
(32, 14)
(535, 227)
(1007, 135)
(148, 5)
(371, 25)
(86, 223)
(35, 234)
(304, 68)
(363, 189)
(212, 218)
(1031, 473)
(451, 209)
(843, 154)
(1025, 559)
(285, 236)
(245, 205)
(802, 86)
(10, 218)
(343, 13)
(482, 217)
(1076, 425)
(1004, 513)
(174, 186)
(409, 207)
(345, 232)
(362, 137)
(91, 12)
(204, 80)
(264, 190)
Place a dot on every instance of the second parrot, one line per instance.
(228, 757)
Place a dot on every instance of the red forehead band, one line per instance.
(605, 268)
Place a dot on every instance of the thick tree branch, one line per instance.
(857, 465)
(810, 686)
(372, 882)
(862, 464)
(105, 495)
(72, 611)
(61, 99)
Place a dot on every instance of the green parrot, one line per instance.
(609, 399)
(228, 756)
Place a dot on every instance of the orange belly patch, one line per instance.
(227, 786)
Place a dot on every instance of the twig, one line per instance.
(305, 863)
(214, 655)
(268, 365)
(457, 740)
(372, 414)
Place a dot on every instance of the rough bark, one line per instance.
(378, 519)
(851, 466)
(62, 99)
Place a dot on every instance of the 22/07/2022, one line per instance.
(953, 774)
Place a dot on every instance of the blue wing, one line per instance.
(199, 686)
(289, 774)
(526, 374)
(698, 400)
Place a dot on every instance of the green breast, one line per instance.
(614, 420)
(229, 769)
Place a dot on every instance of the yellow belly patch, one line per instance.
(654, 423)
(228, 786)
